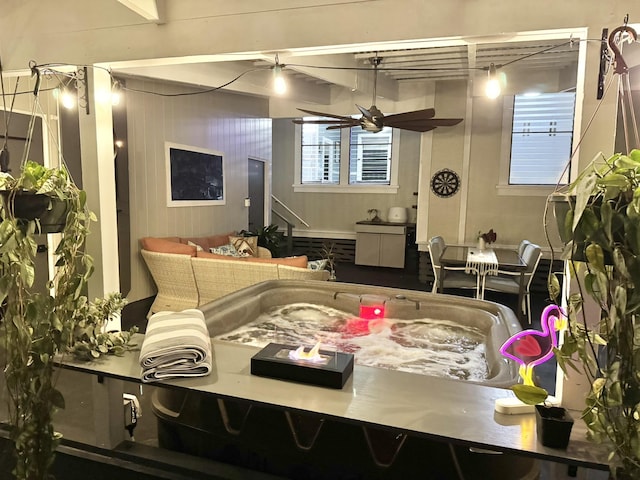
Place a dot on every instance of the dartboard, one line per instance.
(445, 183)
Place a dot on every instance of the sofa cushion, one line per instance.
(300, 261)
(198, 247)
(245, 244)
(318, 264)
(162, 245)
(204, 254)
(228, 250)
(209, 241)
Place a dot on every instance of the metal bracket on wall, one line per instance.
(82, 84)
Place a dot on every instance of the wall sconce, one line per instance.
(279, 83)
(492, 89)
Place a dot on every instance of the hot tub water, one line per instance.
(426, 346)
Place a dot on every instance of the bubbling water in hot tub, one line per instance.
(425, 346)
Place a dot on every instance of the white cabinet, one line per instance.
(381, 245)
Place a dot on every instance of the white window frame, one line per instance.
(344, 186)
(503, 187)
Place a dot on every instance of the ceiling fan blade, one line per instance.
(350, 122)
(415, 127)
(342, 125)
(415, 115)
(321, 114)
(424, 125)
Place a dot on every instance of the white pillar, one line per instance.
(98, 180)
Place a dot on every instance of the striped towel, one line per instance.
(176, 344)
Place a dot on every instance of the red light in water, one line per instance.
(361, 325)
(370, 312)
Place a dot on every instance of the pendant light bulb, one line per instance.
(279, 83)
(67, 100)
(116, 94)
(492, 89)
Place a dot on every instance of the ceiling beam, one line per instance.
(151, 10)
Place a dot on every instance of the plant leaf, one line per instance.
(530, 394)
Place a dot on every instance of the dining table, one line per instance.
(487, 261)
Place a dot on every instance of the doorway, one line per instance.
(256, 193)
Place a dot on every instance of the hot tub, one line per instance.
(302, 445)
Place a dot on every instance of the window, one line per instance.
(541, 138)
(370, 156)
(347, 159)
(320, 154)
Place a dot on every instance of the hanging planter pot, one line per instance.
(27, 205)
(51, 212)
(553, 426)
(54, 219)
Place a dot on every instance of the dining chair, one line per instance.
(451, 277)
(509, 281)
(522, 246)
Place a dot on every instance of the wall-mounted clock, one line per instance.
(445, 183)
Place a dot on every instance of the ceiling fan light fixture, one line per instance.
(492, 89)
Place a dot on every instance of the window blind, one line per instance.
(541, 140)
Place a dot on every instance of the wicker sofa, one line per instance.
(187, 274)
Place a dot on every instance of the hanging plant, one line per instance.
(38, 327)
(602, 224)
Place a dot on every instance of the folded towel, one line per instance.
(176, 344)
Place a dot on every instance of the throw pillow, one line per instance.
(247, 245)
(318, 264)
(161, 245)
(198, 247)
(228, 250)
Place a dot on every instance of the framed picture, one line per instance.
(195, 176)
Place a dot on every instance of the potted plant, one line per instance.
(602, 223)
(38, 327)
(329, 255)
(486, 238)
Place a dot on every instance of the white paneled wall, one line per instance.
(236, 125)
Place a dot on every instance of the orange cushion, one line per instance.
(208, 242)
(300, 261)
(219, 240)
(163, 245)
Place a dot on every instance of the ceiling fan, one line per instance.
(373, 120)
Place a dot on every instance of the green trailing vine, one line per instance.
(39, 327)
(602, 226)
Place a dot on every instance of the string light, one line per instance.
(67, 99)
(116, 93)
(492, 89)
(279, 83)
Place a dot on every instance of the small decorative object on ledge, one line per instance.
(487, 238)
(373, 215)
(530, 348)
(315, 366)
